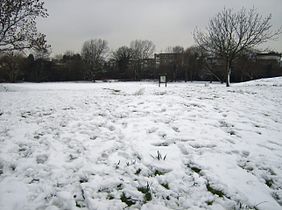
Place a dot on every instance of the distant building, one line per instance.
(169, 58)
(269, 57)
(270, 64)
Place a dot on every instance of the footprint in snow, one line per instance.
(176, 129)
(183, 149)
(163, 144)
(245, 153)
(200, 146)
(152, 130)
(124, 125)
(41, 159)
(275, 143)
(111, 128)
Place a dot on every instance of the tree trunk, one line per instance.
(228, 73)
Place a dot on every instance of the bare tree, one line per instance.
(11, 64)
(93, 53)
(18, 29)
(229, 33)
(122, 57)
(142, 49)
(175, 49)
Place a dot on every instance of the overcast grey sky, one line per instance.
(165, 22)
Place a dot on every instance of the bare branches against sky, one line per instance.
(165, 22)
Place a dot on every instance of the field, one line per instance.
(139, 146)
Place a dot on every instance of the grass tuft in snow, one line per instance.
(159, 173)
(194, 168)
(117, 165)
(165, 185)
(138, 171)
(269, 182)
(80, 200)
(215, 191)
(147, 192)
(80, 204)
(277, 197)
(119, 186)
(34, 181)
(127, 199)
(232, 133)
(209, 203)
(83, 180)
(159, 156)
(110, 197)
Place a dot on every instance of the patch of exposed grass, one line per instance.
(110, 197)
(194, 168)
(209, 203)
(117, 165)
(165, 185)
(34, 181)
(269, 182)
(232, 133)
(215, 191)
(80, 204)
(138, 171)
(119, 186)
(127, 199)
(83, 180)
(271, 171)
(159, 173)
(147, 192)
(278, 198)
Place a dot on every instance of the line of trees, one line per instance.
(225, 45)
(97, 62)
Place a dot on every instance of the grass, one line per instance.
(147, 192)
(117, 165)
(232, 133)
(127, 199)
(165, 185)
(83, 180)
(209, 203)
(159, 173)
(138, 171)
(119, 186)
(214, 191)
(269, 182)
(159, 156)
(80, 204)
(194, 168)
(110, 197)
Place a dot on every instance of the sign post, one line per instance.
(162, 79)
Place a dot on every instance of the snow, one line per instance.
(139, 146)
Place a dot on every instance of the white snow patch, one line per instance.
(113, 145)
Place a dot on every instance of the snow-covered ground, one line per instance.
(139, 146)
